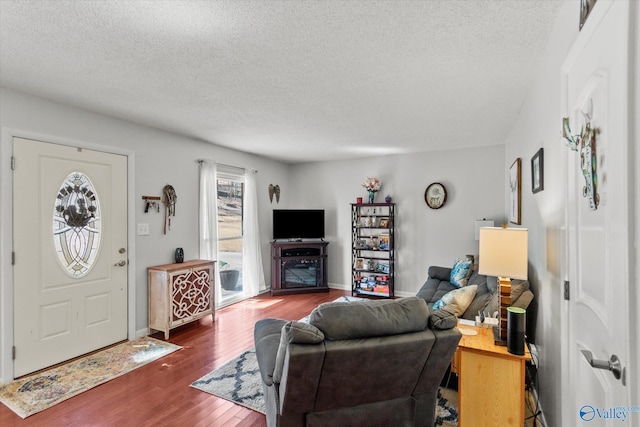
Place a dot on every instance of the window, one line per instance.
(230, 212)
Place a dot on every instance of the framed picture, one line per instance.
(383, 223)
(383, 242)
(585, 9)
(537, 171)
(515, 193)
(361, 244)
(360, 264)
(382, 268)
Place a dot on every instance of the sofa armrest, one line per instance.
(442, 320)
(266, 336)
(446, 344)
(301, 373)
(524, 300)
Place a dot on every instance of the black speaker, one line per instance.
(516, 325)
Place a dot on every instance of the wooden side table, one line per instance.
(491, 381)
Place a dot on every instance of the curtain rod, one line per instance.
(224, 164)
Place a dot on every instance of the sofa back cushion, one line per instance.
(363, 319)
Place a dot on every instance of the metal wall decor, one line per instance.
(170, 199)
(585, 143)
(77, 225)
(274, 190)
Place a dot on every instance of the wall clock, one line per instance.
(435, 195)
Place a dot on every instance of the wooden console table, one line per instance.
(491, 381)
(180, 293)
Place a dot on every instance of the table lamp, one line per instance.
(503, 253)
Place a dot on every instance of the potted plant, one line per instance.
(228, 277)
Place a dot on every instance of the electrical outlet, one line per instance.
(143, 229)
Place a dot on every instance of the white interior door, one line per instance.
(597, 83)
(70, 244)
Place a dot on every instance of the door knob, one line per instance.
(613, 364)
(122, 263)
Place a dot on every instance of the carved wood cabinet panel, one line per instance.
(180, 293)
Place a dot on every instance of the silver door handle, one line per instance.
(613, 364)
(122, 263)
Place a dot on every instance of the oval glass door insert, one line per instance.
(76, 225)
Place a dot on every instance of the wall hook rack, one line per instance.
(151, 202)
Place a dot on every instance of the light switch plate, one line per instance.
(143, 229)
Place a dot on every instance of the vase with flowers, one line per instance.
(372, 185)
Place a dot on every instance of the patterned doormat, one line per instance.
(239, 381)
(34, 393)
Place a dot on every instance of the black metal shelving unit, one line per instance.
(373, 249)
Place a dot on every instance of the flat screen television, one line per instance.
(295, 224)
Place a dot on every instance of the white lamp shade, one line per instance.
(503, 252)
(479, 223)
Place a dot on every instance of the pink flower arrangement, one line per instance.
(372, 184)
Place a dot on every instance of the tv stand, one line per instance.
(298, 267)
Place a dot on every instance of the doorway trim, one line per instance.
(6, 236)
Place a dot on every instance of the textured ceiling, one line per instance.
(291, 80)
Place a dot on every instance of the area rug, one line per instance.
(239, 381)
(34, 393)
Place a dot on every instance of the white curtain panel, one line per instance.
(209, 220)
(252, 271)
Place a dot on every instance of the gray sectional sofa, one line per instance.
(486, 297)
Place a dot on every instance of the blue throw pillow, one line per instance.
(461, 272)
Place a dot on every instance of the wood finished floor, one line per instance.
(158, 394)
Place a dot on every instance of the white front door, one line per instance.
(597, 90)
(70, 244)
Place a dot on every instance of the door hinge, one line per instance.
(13, 258)
(13, 163)
(566, 290)
(13, 352)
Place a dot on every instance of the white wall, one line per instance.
(539, 125)
(474, 179)
(160, 158)
(634, 291)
